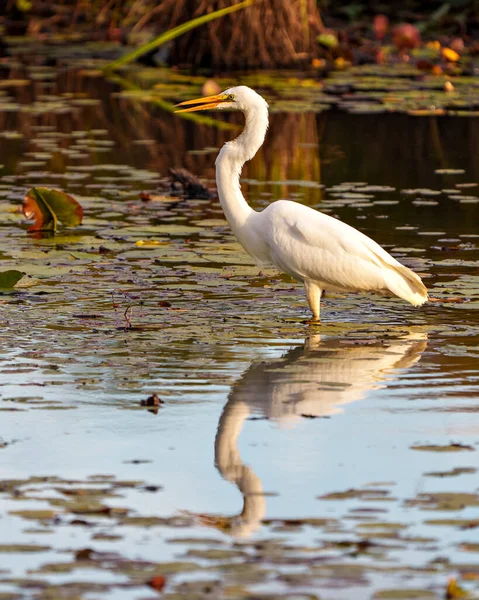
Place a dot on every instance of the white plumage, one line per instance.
(321, 251)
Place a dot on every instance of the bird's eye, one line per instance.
(230, 97)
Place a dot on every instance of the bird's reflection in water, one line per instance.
(313, 380)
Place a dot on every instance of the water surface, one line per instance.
(287, 460)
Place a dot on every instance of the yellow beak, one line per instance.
(203, 103)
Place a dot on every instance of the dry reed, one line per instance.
(270, 33)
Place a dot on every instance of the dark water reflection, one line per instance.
(385, 149)
(323, 149)
(398, 150)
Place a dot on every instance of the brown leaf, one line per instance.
(424, 65)
(145, 196)
(153, 400)
(451, 300)
(84, 554)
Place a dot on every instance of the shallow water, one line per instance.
(287, 460)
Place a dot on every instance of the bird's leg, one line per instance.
(313, 294)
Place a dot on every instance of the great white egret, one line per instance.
(321, 251)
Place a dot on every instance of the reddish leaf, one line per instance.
(406, 36)
(157, 583)
(47, 207)
(457, 44)
(424, 65)
(34, 208)
(380, 26)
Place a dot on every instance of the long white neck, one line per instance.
(229, 164)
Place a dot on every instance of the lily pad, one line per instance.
(48, 206)
(439, 448)
(404, 594)
(8, 279)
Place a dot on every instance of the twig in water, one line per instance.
(128, 316)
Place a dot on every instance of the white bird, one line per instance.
(321, 251)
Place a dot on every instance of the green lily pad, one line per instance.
(8, 279)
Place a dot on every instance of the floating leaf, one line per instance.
(438, 448)
(380, 26)
(406, 36)
(16, 548)
(9, 279)
(450, 54)
(454, 591)
(404, 594)
(328, 39)
(48, 206)
(449, 171)
(452, 299)
(35, 208)
(157, 583)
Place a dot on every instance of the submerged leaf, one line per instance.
(9, 279)
(48, 206)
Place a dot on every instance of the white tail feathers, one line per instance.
(404, 283)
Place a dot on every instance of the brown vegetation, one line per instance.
(270, 33)
(267, 34)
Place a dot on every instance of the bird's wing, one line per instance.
(322, 231)
(309, 244)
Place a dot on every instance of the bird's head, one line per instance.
(237, 98)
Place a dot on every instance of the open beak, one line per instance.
(205, 103)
